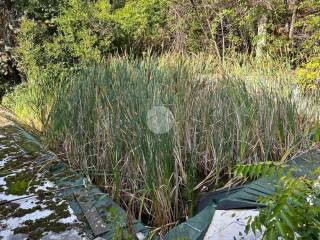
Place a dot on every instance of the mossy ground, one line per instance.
(22, 175)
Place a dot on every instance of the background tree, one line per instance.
(62, 35)
(9, 73)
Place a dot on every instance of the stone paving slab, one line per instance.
(230, 224)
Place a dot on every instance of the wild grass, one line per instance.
(219, 121)
(224, 114)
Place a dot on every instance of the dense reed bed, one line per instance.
(219, 119)
(221, 114)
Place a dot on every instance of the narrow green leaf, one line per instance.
(280, 228)
(287, 220)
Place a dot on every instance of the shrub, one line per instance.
(308, 75)
(68, 37)
(293, 211)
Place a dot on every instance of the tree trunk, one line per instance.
(293, 19)
(262, 35)
(5, 21)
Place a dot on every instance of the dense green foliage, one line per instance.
(293, 211)
(54, 37)
(9, 74)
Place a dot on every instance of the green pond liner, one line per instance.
(245, 196)
(194, 228)
(241, 197)
(111, 213)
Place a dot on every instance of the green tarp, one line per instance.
(194, 228)
(245, 196)
(110, 212)
(241, 197)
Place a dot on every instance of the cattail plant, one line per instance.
(221, 115)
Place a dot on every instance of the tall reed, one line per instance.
(220, 119)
